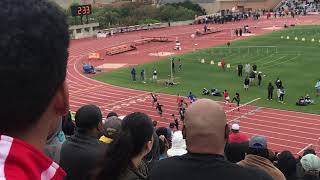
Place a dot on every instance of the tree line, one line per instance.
(133, 13)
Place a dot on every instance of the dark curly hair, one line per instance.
(34, 42)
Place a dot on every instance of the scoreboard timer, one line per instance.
(81, 10)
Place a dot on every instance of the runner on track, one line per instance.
(154, 98)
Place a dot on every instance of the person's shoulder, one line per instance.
(167, 163)
(250, 173)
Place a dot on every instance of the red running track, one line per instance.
(285, 130)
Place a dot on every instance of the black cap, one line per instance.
(88, 117)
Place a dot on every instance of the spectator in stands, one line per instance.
(258, 157)
(163, 147)
(80, 154)
(34, 91)
(311, 166)
(236, 136)
(287, 165)
(68, 126)
(123, 158)
(206, 132)
(166, 133)
(54, 143)
(300, 171)
(111, 130)
(111, 114)
(237, 144)
(154, 154)
(309, 151)
(178, 145)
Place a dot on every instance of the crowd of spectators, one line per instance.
(43, 142)
(298, 7)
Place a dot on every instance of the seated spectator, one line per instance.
(205, 91)
(304, 101)
(81, 153)
(163, 147)
(54, 144)
(206, 132)
(309, 151)
(311, 166)
(301, 102)
(166, 133)
(237, 145)
(33, 51)
(236, 152)
(287, 165)
(123, 158)
(215, 92)
(110, 114)
(236, 136)
(68, 126)
(308, 100)
(155, 124)
(178, 145)
(258, 157)
(111, 131)
(154, 154)
(171, 129)
(300, 171)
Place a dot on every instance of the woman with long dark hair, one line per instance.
(123, 158)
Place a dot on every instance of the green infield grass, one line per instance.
(293, 55)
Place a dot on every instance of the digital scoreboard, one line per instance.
(81, 10)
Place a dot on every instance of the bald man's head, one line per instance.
(205, 127)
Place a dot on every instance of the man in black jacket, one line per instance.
(81, 153)
(206, 132)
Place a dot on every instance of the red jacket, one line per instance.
(238, 137)
(21, 161)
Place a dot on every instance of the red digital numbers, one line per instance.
(83, 10)
(88, 10)
(79, 11)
